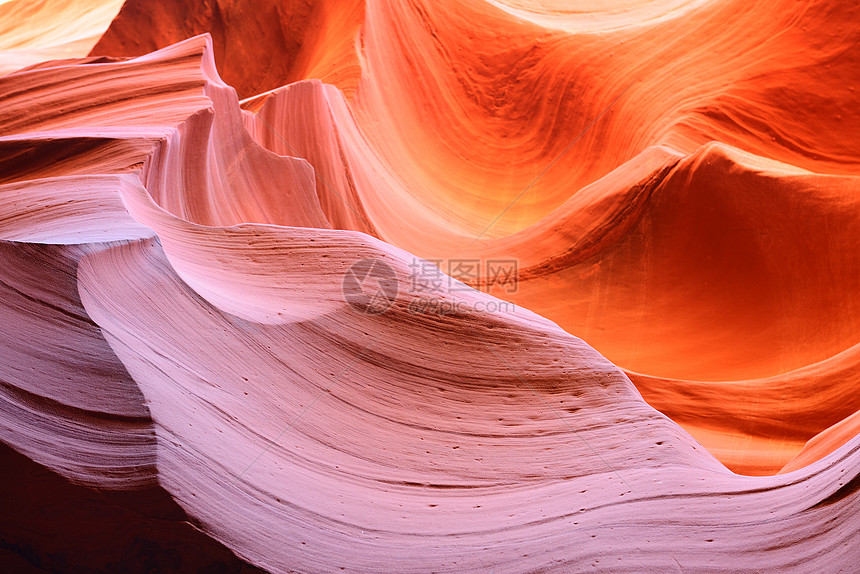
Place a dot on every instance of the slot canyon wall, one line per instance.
(429, 286)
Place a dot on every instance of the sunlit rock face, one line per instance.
(413, 286)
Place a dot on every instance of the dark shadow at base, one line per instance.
(50, 525)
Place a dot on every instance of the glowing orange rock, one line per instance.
(184, 290)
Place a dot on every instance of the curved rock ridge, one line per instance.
(824, 442)
(310, 39)
(396, 454)
(716, 292)
(65, 166)
(475, 113)
(698, 230)
(67, 402)
(214, 336)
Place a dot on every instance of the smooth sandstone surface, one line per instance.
(673, 389)
(697, 228)
(32, 31)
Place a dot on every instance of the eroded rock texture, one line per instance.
(215, 355)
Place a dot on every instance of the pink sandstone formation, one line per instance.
(189, 381)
